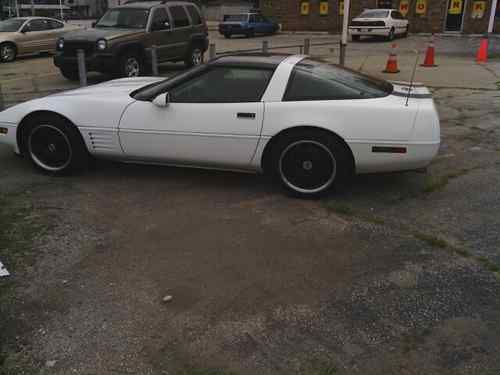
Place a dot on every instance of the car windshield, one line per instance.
(235, 18)
(128, 18)
(333, 78)
(374, 14)
(11, 25)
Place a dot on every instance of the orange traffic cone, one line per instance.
(429, 54)
(482, 53)
(392, 62)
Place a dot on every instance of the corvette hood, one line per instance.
(95, 106)
(122, 86)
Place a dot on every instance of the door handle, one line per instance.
(245, 115)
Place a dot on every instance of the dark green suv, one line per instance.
(121, 42)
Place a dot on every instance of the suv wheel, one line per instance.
(195, 56)
(227, 35)
(131, 65)
(70, 73)
(8, 52)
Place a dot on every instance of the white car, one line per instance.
(305, 122)
(388, 23)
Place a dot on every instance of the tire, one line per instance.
(227, 35)
(70, 73)
(250, 34)
(194, 56)
(356, 38)
(308, 163)
(391, 35)
(54, 146)
(8, 52)
(405, 34)
(130, 65)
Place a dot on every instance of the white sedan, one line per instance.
(388, 23)
(307, 123)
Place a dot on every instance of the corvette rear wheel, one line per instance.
(54, 145)
(308, 164)
(8, 52)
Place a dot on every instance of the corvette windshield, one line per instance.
(374, 14)
(127, 18)
(11, 25)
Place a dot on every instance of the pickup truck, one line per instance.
(247, 24)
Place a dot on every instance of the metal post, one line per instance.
(345, 25)
(61, 10)
(33, 8)
(265, 46)
(17, 9)
(154, 60)
(2, 104)
(307, 44)
(494, 4)
(211, 51)
(82, 71)
(36, 89)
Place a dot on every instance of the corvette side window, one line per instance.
(312, 80)
(223, 85)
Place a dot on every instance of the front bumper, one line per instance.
(10, 137)
(100, 62)
(369, 30)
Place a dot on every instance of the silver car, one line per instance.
(28, 35)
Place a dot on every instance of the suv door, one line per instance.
(180, 37)
(160, 32)
(36, 36)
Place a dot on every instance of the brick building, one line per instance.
(425, 16)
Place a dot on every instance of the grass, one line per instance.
(340, 208)
(431, 240)
(436, 183)
(441, 243)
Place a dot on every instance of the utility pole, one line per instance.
(61, 10)
(33, 7)
(345, 25)
(17, 8)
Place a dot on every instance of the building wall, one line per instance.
(287, 12)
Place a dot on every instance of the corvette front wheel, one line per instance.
(308, 164)
(54, 145)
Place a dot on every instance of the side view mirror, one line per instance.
(94, 23)
(162, 100)
(25, 29)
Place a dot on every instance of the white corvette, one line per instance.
(305, 122)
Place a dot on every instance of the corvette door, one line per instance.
(213, 119)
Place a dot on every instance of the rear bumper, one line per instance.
(369, 30)
(95, 62)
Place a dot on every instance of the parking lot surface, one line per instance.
(390, 274)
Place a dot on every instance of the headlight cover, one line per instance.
(102, 44)
(60, 44)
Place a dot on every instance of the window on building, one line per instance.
(179, 15)
(384, 4)
(195, 16)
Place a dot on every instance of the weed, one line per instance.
(435, 183)
(340, 208)
(431, 240)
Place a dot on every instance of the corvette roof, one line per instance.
(251, 60)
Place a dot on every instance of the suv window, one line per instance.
(56, 24)
(179, 15)
(128, 18)
(37, 25)
(195, 16)
(160, 20)
(224, 85)
(313, 80)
